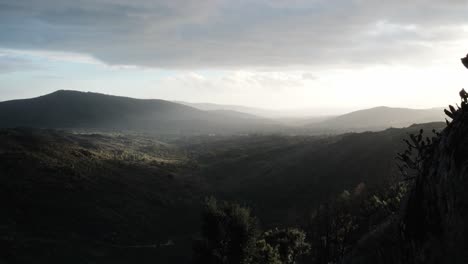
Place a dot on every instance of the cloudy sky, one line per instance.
(281, 54)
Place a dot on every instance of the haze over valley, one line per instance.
(233, 132)
(79, 110)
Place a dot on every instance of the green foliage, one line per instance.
(155, 187)
(290, 243)
(266, 253)
(229, 234)
(337, 226)
(388, 200)
(418, 150)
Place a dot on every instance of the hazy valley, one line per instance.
(112, 192)
(233, 132)
(78, 110)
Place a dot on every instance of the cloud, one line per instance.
(9, 64)
(264, 89)
(235, 82)
(309, 76)
(49, 55)
(195, 34)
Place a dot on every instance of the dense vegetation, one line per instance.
(91, 196)
(418, 218)
(122, 198)
(431, 225)
(435, 216)
(230, 234)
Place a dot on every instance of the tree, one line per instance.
(266, 254)
(229, 234)
(289, 242)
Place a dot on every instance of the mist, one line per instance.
(233, 132)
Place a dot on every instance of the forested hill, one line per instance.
(100, 198)
(79, 110)
(99, 112)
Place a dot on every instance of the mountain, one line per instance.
(285, 114)
(80, 110)
(93, 111)
(235, 114)
(236, 108)
(379, 118)
(373, 119)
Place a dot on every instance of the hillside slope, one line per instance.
(119, 199)
(379, 118)
(298, 173)
(69, 198)
(79, 110)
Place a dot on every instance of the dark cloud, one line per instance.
(242, 33)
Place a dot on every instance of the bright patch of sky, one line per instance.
(316, 55)
(337, 90)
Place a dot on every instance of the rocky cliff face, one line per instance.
(435, 220)
(433, 225)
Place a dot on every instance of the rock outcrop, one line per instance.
(432, 227)
(435, 220)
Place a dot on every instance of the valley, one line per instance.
(112, 197)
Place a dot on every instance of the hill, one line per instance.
(237, 108)
(379, 118)
(284, 114)
(79, 110)
(79, 198)
(123, 198)
(298, 173)
(372, 119)
(99, 112)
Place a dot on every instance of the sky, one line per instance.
(329, 56)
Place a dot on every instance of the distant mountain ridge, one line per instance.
(379, 118)
(263, 112)
(376, 118)
(86, 110)
(73, 109)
